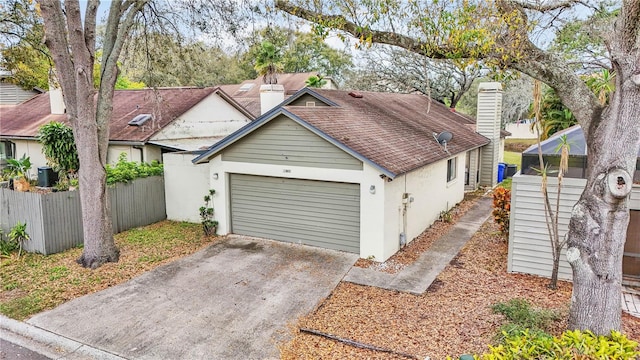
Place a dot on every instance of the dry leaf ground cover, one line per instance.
(453, 317)
(410, 253)
(34, 282)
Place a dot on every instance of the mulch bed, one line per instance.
(452, 317)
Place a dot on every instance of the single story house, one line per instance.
(529, 244)
(362, 172)
(145, 123)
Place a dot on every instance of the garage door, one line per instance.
(317, 213)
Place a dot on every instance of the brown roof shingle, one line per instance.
(164, 104)
(247, 93)
(395, 131)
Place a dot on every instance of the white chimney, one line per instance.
(488, 120)
(271, 95)
(56, 101)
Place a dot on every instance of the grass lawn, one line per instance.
(34, 282)
(511, 157)
(520, 141)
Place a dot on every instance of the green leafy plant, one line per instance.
(59, 147)
(18, 234)
(446, 216)
(6, 245)
(570, 345)
(209, 225)
(19, 168)
(521, 316)
(502, 209)
(125, 171)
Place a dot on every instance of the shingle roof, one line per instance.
(164, 104)
(247, 93)
(393, 131)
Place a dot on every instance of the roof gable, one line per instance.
(392, 132)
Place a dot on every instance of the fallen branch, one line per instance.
(356, 343)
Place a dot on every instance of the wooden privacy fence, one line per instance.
(54, 220)
(529, 245)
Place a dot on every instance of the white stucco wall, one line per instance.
(33, 150)
(213, 116)
(185, 186)
(146, 153)
(431, 194)
(114, 151)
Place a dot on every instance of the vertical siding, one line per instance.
(284, 142)
(54, 220)
(488, 124)
(529, 244)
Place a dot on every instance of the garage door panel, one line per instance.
(325, 214)
(336, 216)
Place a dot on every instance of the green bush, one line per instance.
(125, 171)
(521, 316)
(59, 147)
(570, 345)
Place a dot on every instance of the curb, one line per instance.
(48, 343)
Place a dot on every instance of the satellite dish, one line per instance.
(444, 137)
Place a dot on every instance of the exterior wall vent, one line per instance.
(311, 104)
(139, 119)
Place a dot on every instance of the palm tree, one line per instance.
(316, 81)
(602, 84)
(269, 62)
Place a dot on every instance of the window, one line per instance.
(451, 169)
(7, 150)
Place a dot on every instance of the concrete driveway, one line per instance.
(232, 300)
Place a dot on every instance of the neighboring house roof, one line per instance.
(247, 93)
(165, 105)
(575, 138)
(393, 132)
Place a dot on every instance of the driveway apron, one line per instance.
(232, 300)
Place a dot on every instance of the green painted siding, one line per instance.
(304, 99)
(316, 213)
(284, 142)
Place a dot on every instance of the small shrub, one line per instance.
(18, 234)
(125, 171)
(209, 225)
(570, 345)
(521, 316)
(502, 209)
(446, 216)
(7, 245)
(59, 147)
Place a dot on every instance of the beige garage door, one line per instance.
(317, 213)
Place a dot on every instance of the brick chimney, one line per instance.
(488, 120)
(271, 95)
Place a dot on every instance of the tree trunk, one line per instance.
(99, 245)
(92, 140)
(598, 225)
